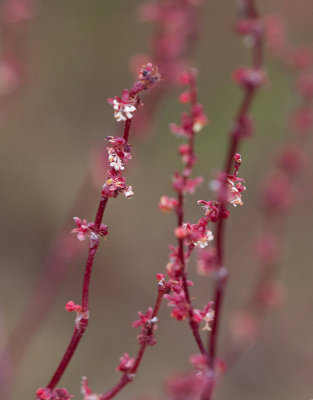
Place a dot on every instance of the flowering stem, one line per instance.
(251, 12)
(180, 218)
(81, 325)
(128, 376)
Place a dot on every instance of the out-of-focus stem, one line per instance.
(257, 57)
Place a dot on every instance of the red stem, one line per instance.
(220, 283)
(180, 218)
(82, 324)
(127, 377)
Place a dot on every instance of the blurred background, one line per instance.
(77, 54)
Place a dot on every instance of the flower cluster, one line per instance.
(148, 324)
(167, 204)
(125, 106)
(85, 229)
(87, 392)
(206, 315)
(126, 363)
(53, 394)
(195, 234)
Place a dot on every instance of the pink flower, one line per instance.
(71, 306)
(144, 319)
(200, 362)
(126, 363)
(206, 315)
(249, 77)
(82, 229)
(213, 209)
(207, 261)
(234, 190)
(85, 229)
(179, 304)
(167, 204)
(53, 394)
(87, 392)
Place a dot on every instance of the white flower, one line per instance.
(116, 162)
(123, 111)
(204, 241)
(128, 192)
(234, 195)
(209, 316)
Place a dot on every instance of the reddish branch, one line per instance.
(81, 326)
(128, 376)
(119, 155)
(237, 133)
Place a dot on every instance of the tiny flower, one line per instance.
(124, 107)
(184, 97)
(179, 304)
(160, 279)
(204, 240)
(126, 363)
(116, 162)
(200, 119)
(87, 392)
(52, 394)
(128, 192)
(199, 361)
(234, 192)
(207, 261)
(206, 315)
(82, 229)
(71, 306)
(149, 75)
(144, 319)
(167, 204)
(249, 77)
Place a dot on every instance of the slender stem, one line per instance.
(222, 273)
(127, 377)
(82, 324)
(180, 218)
(127, 128)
